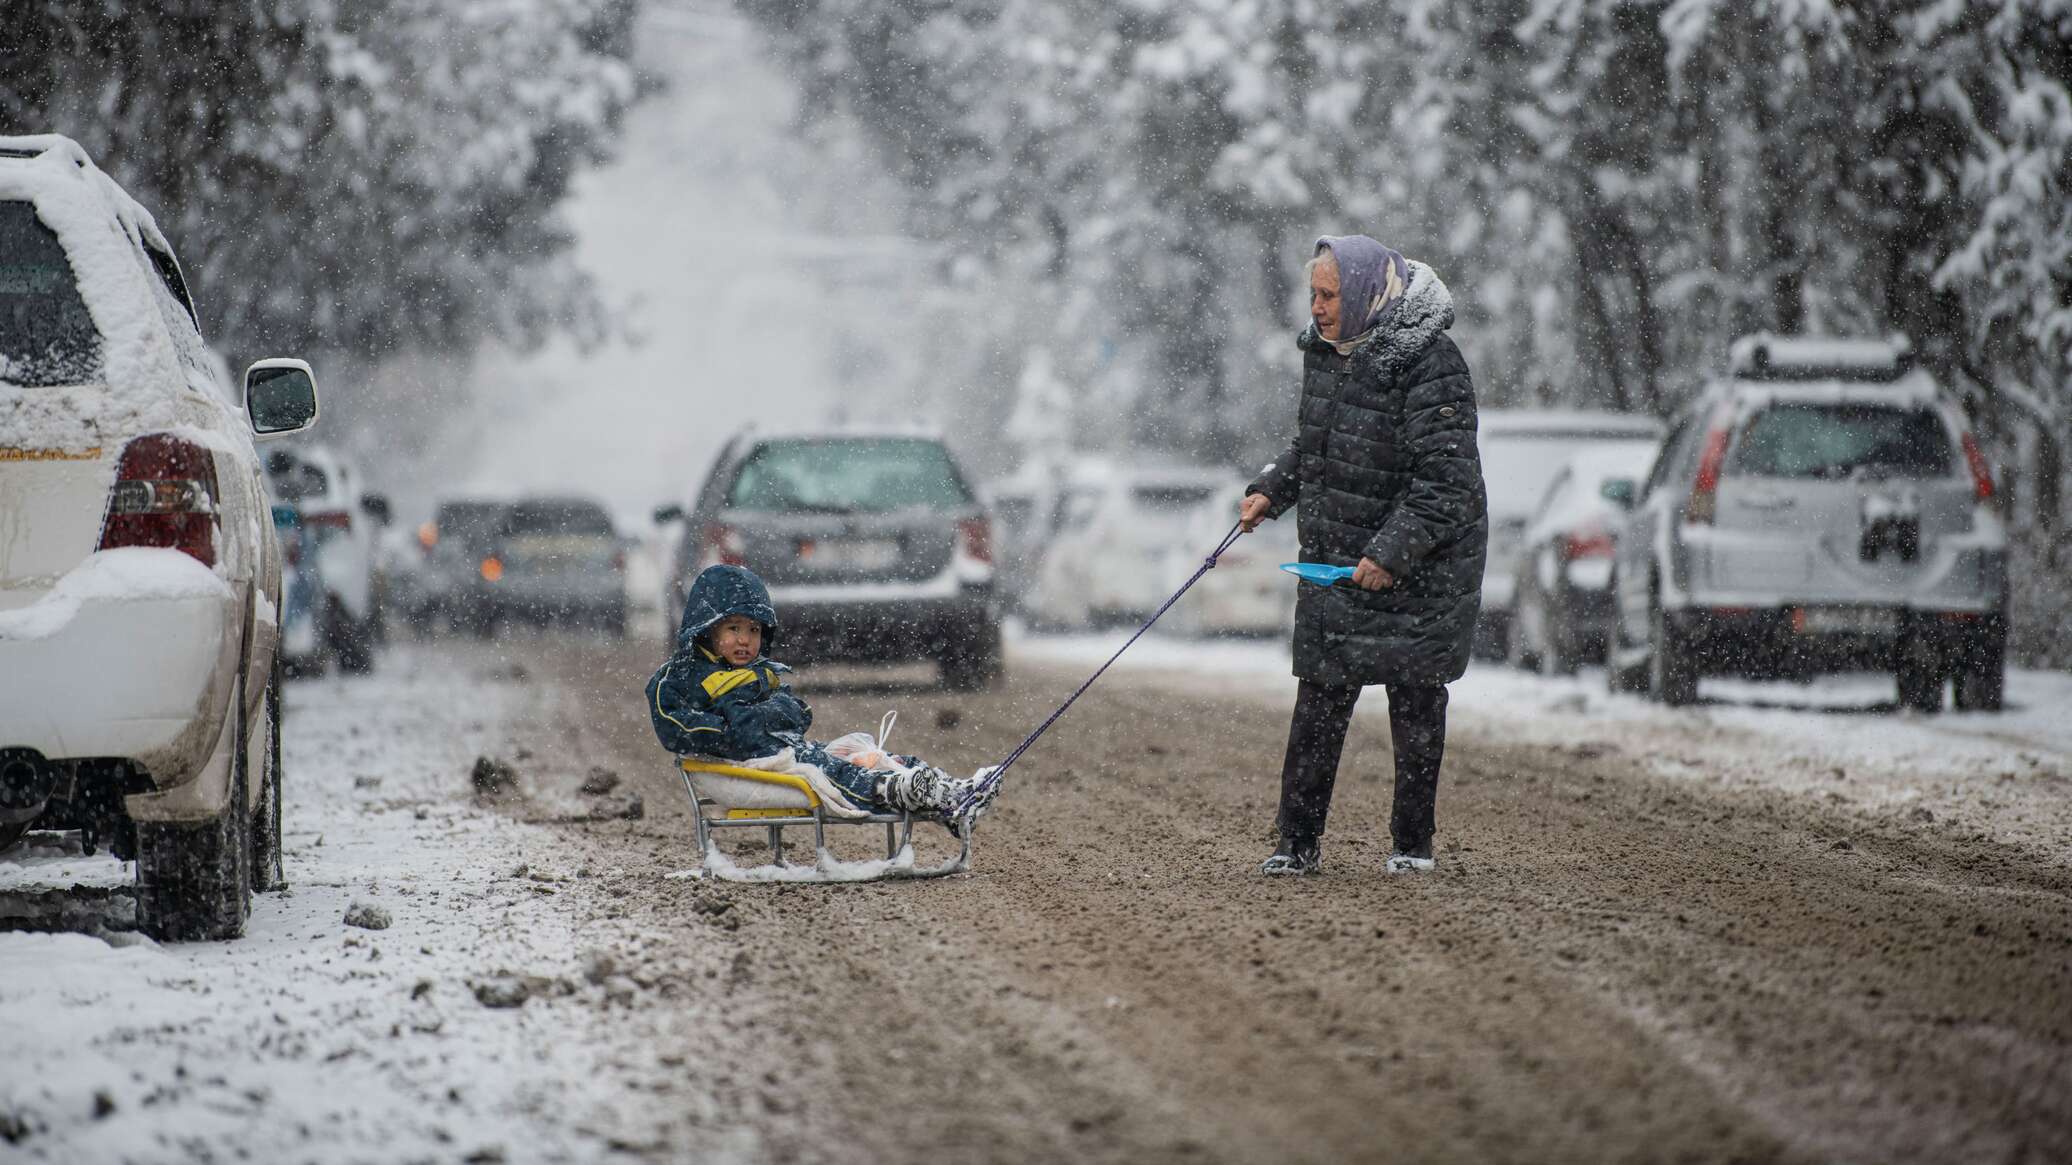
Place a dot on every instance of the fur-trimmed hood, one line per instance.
(1426, 311)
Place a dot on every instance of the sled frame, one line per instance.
(710, 815)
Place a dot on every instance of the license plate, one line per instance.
(1849, 620)
(858, 554)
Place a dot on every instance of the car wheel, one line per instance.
(193, 880)
(348, 641)
(1920, 680)
(1672, 669)
(1982, 681)
(1519, 649)
(972, 667)
(1557, 655)
(267, 868)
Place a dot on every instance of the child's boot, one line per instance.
(931, 792)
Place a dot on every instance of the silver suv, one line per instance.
(1822, 508)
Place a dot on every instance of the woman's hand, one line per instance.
(1252, 511)
(1370, 576)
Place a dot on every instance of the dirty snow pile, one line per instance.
(423, 990)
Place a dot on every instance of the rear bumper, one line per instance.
(145, 680)
(1764, 642)
(921, 628)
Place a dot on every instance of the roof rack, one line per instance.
(1764, 356)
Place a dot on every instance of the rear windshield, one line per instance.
(848, 475)
(295, 480)
(1837, 441)
(557, 518)
(469, 523)
(46, 335)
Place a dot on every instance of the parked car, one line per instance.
(302, 595)
(1247, 593)
(340, 525)
(459, 543)
(1108, 560)
(1822, 507)
(556, 560)
(1521, 452)
(139, 572)
(1562, 597)
(872, 542)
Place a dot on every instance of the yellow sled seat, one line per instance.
(746, 794)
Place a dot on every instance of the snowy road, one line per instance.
(1732, 932)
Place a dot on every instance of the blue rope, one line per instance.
(1207, 564)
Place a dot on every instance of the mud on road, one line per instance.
(1606, 966)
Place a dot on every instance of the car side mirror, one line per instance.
(376, 506)
(667, 514)
(280, 397)
(1619, 491)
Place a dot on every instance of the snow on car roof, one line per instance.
(139, 366)
(1601, 462)
(1764, 356)
(1564, 422)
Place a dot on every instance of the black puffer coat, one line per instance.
(1383, 466)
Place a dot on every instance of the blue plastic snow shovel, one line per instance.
(1317, 572)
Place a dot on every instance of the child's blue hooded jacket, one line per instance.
(702, 704)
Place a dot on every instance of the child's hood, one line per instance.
(720, 591)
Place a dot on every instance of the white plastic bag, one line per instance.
(866, 751)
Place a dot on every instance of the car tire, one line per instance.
(268, 872)
(976, 666)
(1519, 650)
(1982, 678)
(348, 641)
(1556, 656)
(193, 880)
(1672, 667)
(1920, 682)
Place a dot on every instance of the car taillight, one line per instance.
(1592, 542)
(723, 546)
(977, 535)
(428, 536)
(1704, 501)
(164, 496)
(618, 560)
(329, 520)
(1981, 474)
(492, 568)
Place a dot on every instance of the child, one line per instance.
(720, 696)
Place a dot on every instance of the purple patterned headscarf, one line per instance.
(1371, 282)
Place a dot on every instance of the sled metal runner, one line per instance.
(780, 800)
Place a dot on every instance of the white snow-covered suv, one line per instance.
(139, 573)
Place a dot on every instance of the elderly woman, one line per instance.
(1384, 470)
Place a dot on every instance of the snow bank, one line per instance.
(131, 573)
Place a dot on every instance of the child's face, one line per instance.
(738, 639)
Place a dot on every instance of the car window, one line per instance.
(1840, 440)
(293, 479)
(528, 518)
(468, 524)
(47, 336)
(847, 475)
(1672, 452)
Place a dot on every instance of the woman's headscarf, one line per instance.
(1371, 282)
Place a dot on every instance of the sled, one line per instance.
(726, 796)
